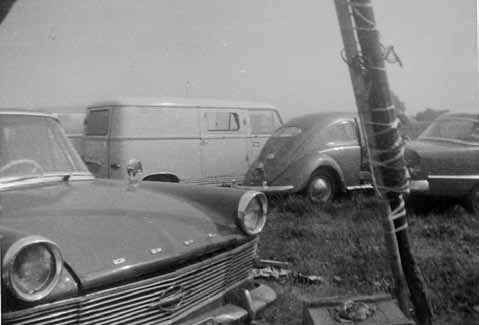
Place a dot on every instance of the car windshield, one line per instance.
(35, 146)
(460, 129)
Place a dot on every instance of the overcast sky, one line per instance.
(285, 52)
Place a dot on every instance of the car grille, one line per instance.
(130, 304)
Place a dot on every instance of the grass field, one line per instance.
(344, 244)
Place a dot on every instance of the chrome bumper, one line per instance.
(265, 188)
(419, 185)
(254, 301)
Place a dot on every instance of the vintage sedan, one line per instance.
(80, 250)
(444, 160)
(320, 155)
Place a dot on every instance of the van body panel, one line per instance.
(180, 157)
(164, 139)
(224, 133)
(197, 141)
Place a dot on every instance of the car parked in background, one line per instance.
(444, 160)
(185, 140)
(80, 250)
(320, 155)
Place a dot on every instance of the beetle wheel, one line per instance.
(472, 200)
(322, 187)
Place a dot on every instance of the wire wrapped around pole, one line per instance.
(387, 147)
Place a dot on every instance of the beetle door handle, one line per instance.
(256, 144)
(203, 142)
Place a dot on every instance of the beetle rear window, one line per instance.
(287, 132)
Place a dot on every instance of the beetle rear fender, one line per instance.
(162, 177)
(323, 161)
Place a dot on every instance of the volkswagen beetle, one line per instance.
(444, 160)
(319, 155)
(80, 250)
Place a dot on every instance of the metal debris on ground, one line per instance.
(353, 311)
(281, 272)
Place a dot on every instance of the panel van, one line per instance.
(177, 139)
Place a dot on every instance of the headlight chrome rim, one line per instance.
(245, 200)
(9, 261)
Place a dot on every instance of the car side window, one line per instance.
(222, 121)
(342, 133)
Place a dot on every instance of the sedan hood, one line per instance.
(104, 231)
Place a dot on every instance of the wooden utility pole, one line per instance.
(352, 57)
(366, 59)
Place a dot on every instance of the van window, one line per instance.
(97, 122)
(263, 122)
(343, 133)
(223, 121)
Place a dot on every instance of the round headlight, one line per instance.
(252, 210)
(32, 268)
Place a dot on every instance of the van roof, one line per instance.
(181, 102)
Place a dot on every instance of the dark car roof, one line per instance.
(309, 120)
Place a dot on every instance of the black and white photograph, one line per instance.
(257, 162)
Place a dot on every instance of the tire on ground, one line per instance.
(322, 186)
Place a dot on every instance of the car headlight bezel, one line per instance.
(244, 211)
(8, 267)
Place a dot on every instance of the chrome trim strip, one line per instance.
(339, 148)
(469, 143)
(265, 189)
(360, 187)
(471, 177)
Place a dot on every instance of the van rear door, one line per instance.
(96, 145)
(224, 145)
